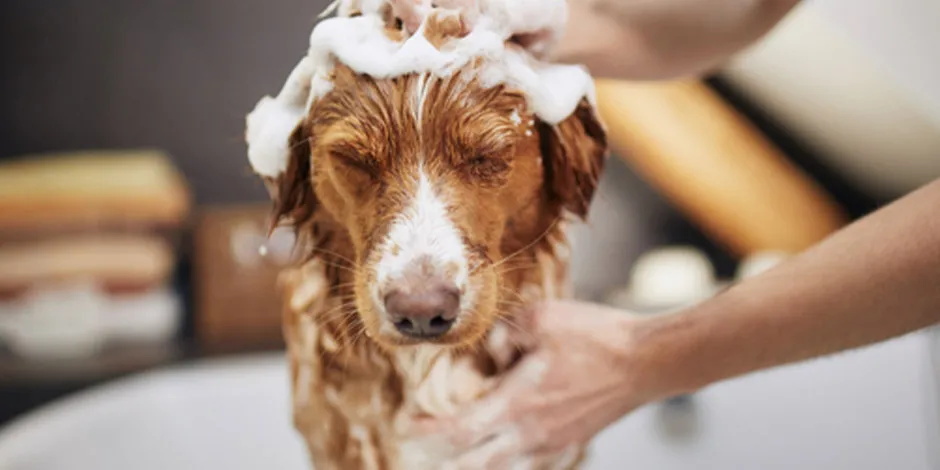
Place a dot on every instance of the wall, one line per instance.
(175, 74)
(859, 82)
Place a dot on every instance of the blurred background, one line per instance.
(130, 222)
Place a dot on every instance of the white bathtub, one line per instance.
(861, 411)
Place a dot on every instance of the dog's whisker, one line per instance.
(531, 244)
(351, 270)
(320, 249)
(321, 314)
(510, 322)
(503, 270)
(340, 313)
(345, 319)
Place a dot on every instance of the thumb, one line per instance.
(501, 405)
(482, 419)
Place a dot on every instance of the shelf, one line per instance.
(115, 361)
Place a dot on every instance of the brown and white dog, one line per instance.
(430, 210)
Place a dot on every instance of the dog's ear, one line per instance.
(292, 192)
(573, 153)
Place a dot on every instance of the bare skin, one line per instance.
(590, 365)
(662, 39)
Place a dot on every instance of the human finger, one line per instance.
(487, 417)
(496, 453)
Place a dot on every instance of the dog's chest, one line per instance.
(349, 399)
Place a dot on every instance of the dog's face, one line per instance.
(435, 183)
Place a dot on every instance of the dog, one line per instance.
(431, 211)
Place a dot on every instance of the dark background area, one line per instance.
(175, 74)
(180, 75)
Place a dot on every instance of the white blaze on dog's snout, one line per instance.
(424, 233)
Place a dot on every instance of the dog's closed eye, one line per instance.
(486, 170)
(476, 160)
(360, 163)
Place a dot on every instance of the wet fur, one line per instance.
(510, 185)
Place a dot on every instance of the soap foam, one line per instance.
(552, 91)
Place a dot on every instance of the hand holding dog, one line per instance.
(577, 379)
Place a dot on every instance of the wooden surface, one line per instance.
(237, 301)
(716, 167)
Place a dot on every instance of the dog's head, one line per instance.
(435, 183)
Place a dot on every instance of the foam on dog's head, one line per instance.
(506, 38)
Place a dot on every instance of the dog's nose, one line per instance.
(424, 312)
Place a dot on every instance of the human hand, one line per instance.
(601, 40)
(663, 39)
(579, 378)
(413, 12)
(536, 25)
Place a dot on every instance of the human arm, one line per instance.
(661, 39)
(876, 279)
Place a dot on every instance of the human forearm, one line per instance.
(589, 364)
(657, 39)
(877, 279)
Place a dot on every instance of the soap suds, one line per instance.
(361, 43)
(515, 118)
